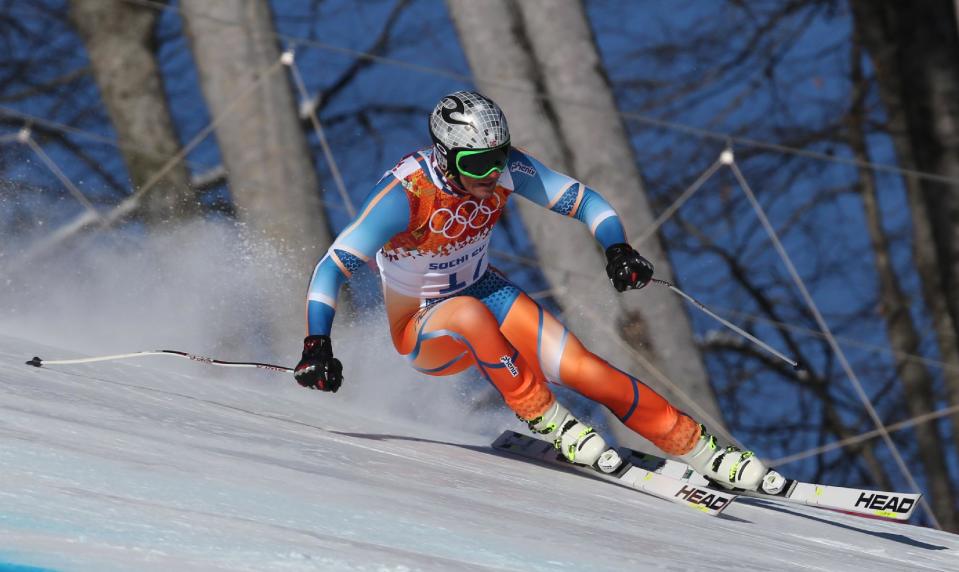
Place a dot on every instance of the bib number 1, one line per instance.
(456, 284)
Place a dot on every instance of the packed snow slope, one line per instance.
(155, 465)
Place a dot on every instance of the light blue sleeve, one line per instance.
(566, 196)
(385, 213)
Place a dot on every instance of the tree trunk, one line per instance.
(264, 148)
(917, 381)
(512, 58)
(913, 49)
(653, 321)
(119, 40)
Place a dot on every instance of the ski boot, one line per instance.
(731, 467)
(575, 440)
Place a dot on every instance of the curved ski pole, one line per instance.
(38, 362)
(729, 325)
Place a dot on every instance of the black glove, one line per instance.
(626, 268)
(318, 369)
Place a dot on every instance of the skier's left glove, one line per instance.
(626, 268)
(318, 369)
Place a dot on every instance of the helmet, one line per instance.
(466, 120)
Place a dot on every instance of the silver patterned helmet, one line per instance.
(463, 125)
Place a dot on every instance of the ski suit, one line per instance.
(449, 309)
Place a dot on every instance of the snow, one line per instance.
(140, 465)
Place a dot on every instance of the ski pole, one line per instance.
(729, 325)
(38, 362)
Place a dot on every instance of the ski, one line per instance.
(863, 502)
(700, 497)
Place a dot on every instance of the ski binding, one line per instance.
(613, 468)
(863, 502)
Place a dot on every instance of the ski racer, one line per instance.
(428, 222)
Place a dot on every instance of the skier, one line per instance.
(428, 221)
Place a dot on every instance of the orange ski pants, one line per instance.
(518, 346)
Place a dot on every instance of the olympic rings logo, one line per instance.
(463, 218)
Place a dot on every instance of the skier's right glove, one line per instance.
(318, 369)
(626, 269)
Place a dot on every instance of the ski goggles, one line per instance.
(478, 164)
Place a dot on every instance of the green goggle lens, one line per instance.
(480, 163)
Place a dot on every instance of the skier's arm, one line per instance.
(565, 195)
(385, 213)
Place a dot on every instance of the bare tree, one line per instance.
(654, 322)
(264, 148)
(119, 38)
(917, 380)
(541, 64)
(769, 83)
(913, 51)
